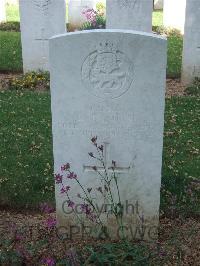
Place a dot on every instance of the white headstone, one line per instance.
(158, 4)
(40, 20)
(2, 11)
(191, 43)
(110, 84)
(174, 14)
(129, 14)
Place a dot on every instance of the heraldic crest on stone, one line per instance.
(107, 72)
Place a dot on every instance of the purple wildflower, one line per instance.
(86, 209)
(58, 178)
(70, 204)
(64, 189)
(45, 208)
(65, 167)
(72, 175)
(50, 222)
(48, 262)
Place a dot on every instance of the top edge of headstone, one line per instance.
(134, 32)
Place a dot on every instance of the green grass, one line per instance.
(12, 12)
(174, 55)
(10, 51)
(157, 18)
(26, 173)
(25, 148)
(181, 156)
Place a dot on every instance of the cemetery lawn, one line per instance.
(10, 52)
(12, 12)
(26, 172)
(174, 55)
(157, 19)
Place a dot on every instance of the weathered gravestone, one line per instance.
(191, 43)
(110, 84)
(2, 11)
(39, 20)
(174, 14)
(129, 14)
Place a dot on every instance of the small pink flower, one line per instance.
(71, 204)
(50, 222)
(44, 207)
(72, 175)
(65, 167)
(18, 237)
(64, 189)
(48, 262)
(85, 208)
(58, 178)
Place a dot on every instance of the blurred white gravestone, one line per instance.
(129, 14)
(174, 14)
(103, 83)
(191, 43)
(2, 10)
(158, 4)
(40, 20)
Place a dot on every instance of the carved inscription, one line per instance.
(42, 5)
(127, 3)
(107, 72)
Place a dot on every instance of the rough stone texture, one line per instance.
(103, 83)
(39, 20)
(2, 11)
(174, 14)
(158, 4)
(129, 14)
(191, 43)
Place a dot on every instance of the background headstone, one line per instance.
(174, 14)
(129, 14)
(191, 43)
(158, 4)
(2, 11)
(103, 83)
(40, 20)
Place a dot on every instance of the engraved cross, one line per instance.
(119, 170)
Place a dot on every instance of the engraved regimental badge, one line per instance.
(107, 72)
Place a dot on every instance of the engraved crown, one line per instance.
(106, 47)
